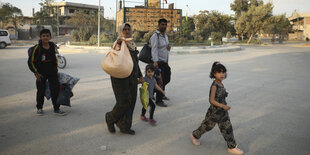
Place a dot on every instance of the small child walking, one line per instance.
(218, 111)
(149, 78)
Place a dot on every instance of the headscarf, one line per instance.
(130, 44)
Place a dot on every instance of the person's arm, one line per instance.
(31, 62)
(141, 79)
(168, 47)
(212, 101)
(154, 44)
(159, 89)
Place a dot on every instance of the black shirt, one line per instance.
(47, 63)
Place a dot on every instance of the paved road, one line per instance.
(268, 92)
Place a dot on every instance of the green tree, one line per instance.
(255, 2)
(207, 22)
(253, 21)
(10, 13)
(239, 6)
(188, 26)
(42, 17)
(278, 25)
(87, 24)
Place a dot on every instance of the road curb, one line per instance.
(174, 50)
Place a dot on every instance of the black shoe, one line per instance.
(161, 104)
(40, 112)
(166, 98)
(111, 127)
(129, 131)
(59, 113)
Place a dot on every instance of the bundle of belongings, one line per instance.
(66, 83)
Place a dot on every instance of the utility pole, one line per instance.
(99, 24)
(57, 19)
(115, 18)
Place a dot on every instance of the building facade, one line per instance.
(66, 10)
(300, 26)
(145, 18)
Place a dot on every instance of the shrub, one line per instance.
(217, 36)
(228, 35)
(75, 35)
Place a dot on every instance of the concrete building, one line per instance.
(67, 9)
(300, 26)
(145, 18)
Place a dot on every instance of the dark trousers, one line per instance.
(217, 116)
(152, 105)
(166, 75)
(125, 91)
(54, 87)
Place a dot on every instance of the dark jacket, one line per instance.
(35, 56)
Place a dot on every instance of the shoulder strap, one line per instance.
(151, 37)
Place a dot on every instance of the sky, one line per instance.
(194, 6)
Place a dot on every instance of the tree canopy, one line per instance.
(9, 13)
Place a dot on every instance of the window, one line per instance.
(71, 10)
(3, 33)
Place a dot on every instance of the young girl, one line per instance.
(149, 78)
(218, 111)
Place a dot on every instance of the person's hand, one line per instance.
(155, 64)
(119, 41)
(141, 80)
(38, 76)
(164, 93)
(168, 47)
(225, 107)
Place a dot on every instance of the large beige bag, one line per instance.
(118, 62)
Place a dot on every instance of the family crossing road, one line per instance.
(264, 84)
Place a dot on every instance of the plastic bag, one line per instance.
(144, 95)
(64, 95)
(63, 77)
(118, 63)
(67, 79)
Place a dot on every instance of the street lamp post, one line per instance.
(189, 11)
(99, 24)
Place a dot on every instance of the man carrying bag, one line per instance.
(160, 56)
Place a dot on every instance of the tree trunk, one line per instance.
(280, 38)
(251, 38)
(273, 38)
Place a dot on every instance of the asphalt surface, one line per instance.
(268, 94)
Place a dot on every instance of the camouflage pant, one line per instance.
(218, 116)
(125, 91)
